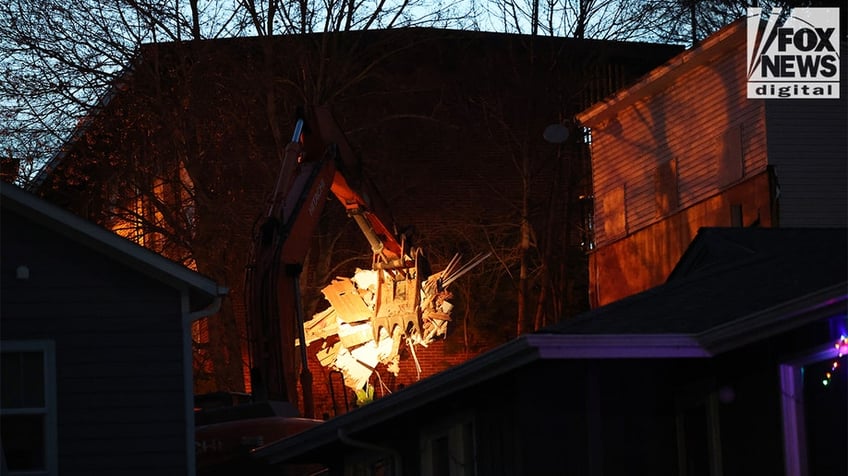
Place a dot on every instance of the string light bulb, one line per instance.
(841, 347)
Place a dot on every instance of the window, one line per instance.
(814, 412)
(27, 408)
(448, 449)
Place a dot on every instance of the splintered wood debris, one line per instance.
(371, 317)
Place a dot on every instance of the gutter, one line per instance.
(212, 307)
(188, 317)
(616, 346)
(778, 319)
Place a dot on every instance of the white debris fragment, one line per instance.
(349, 333)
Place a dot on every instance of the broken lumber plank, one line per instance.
(327, 356)
(346, 300)
(354, 335)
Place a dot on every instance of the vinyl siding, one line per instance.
(808, 146)
(118, 335)
(687, 121)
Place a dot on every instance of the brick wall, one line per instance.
(329, 393)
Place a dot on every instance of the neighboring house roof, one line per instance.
(727, 275)
(202, 290)
(732, 287)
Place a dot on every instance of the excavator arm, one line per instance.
(317, 162)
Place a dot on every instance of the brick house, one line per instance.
(683, 148)
(95, 347)
(441, 120)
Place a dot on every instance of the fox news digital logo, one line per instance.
(796, 60)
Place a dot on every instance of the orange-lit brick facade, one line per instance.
(329, 394)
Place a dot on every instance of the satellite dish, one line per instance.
(555, 133)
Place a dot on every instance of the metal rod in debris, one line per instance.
(477, 260)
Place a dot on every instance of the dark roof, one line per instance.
(202, 290)
(726, 273)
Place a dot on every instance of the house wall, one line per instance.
(597, 417)
(650, 416)
(691, 152)
(749, 389)
(808, 147)
(119, 358)
(700, 125)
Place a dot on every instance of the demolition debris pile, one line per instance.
(370, 317)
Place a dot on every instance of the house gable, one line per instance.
(116, 320)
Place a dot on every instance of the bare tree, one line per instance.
(598, 19)
(60, 59)
(164, 178)
(690, 21)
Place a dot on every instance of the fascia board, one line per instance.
(777, 319)
(616, 346)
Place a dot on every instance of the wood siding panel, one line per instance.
(119, 352)
(688, 122)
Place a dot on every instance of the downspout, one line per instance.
(370, 446)
(188, 370)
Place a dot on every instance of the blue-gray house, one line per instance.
(95, 347)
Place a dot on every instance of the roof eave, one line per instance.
(498, 361)
(784, 317)
(116, 247)
(517, 353)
